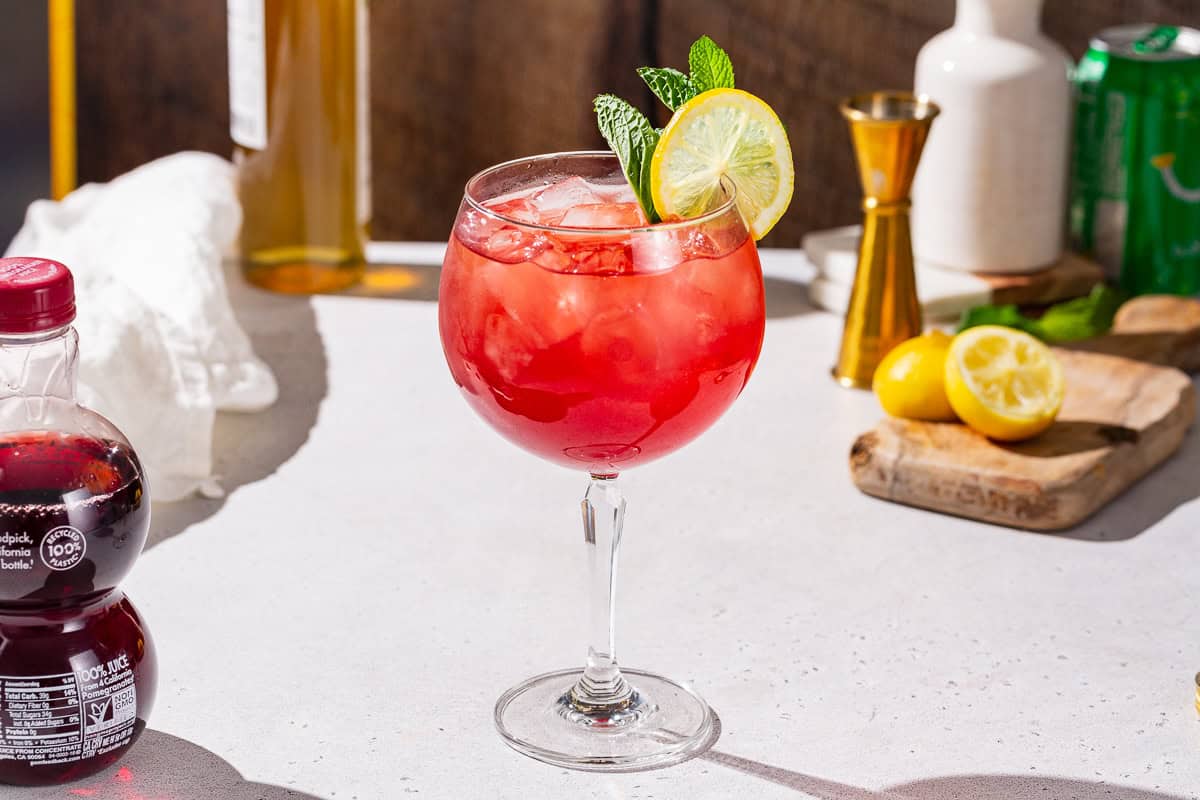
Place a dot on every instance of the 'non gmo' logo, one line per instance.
(63, 548)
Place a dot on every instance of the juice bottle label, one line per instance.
(54, 719)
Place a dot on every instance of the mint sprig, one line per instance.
(633, 139)
(630, 134)
(710, 66)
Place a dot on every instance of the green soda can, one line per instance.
(1135, 189)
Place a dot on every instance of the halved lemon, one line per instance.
(723, 132)
(1003, 382)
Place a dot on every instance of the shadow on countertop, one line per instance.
(283, 331)
(249, 447)
(786, 298)
(164, 766)
(950, 787)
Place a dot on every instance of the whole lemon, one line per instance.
(910, 382)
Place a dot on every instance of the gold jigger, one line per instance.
(889, 130)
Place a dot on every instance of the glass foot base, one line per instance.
(666, 723)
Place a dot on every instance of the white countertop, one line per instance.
(385, 565)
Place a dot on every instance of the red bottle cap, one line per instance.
(36, 294)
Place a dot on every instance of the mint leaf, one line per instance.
(710, 66)
(633, 139)
(1083, 317)
(669, 85)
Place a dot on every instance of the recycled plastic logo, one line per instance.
(63, 548)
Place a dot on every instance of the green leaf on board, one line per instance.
(1081, 318)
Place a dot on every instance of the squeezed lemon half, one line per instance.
(1003, 382)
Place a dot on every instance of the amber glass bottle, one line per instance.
(298, 119)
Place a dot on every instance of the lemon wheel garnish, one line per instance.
(1003, 382)
(730, 133)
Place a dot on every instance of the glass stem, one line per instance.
(603, 689)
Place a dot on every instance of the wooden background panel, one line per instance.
(1073, 22)
(152, 80)
(458, 85)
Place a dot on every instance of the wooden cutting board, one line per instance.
(1121, 417)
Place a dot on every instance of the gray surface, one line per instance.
(341, 628)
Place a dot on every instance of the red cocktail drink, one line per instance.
(598, 347)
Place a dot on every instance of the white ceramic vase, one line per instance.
(990, 193)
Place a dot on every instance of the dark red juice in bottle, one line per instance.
(77, 667)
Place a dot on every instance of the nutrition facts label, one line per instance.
(51, 719)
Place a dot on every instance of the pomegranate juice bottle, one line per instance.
(77, 667)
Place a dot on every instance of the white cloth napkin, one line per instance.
(160, 349)
(834, 254)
